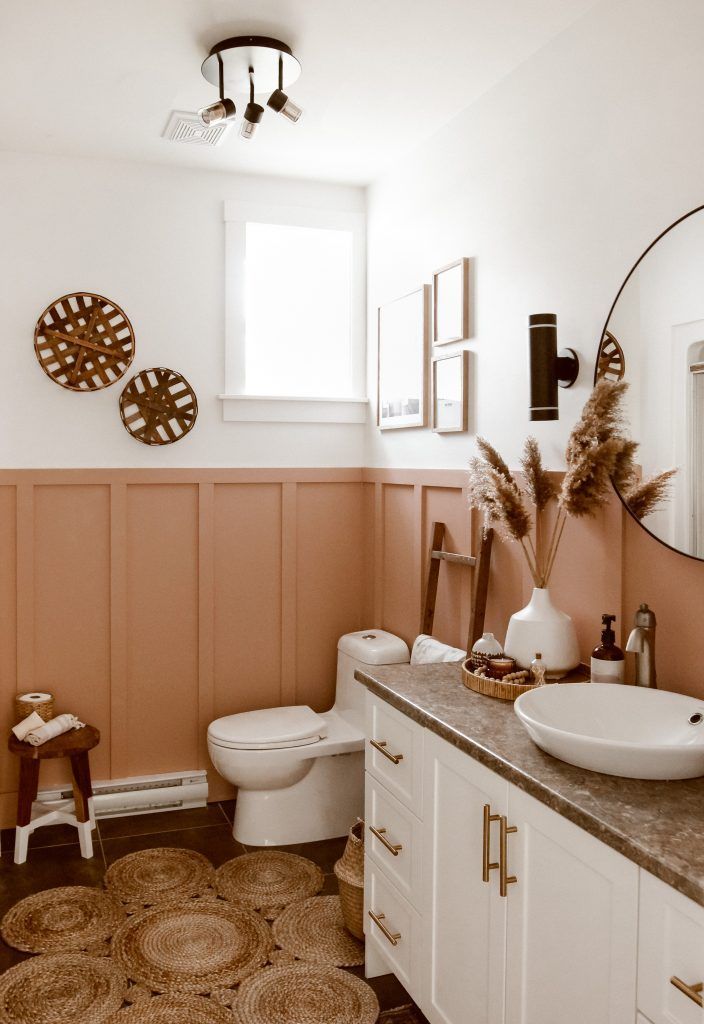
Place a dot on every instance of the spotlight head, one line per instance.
(223, 110)
(252, 116)
(280, 102)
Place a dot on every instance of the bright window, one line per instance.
(297, 311)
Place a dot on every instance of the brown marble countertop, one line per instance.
(658, 825)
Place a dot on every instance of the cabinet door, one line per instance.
(464, 919)
(572, 923)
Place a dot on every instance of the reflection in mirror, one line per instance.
(658, 322)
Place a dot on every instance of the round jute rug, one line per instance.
(305, 994)
(61, 987)
(314, 930)
(192, 946)
(72, 917)
(152, 876)
(174, 1010)
(268, 880)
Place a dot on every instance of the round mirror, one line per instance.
(654, 339)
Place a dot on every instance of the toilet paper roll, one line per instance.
(41, 703)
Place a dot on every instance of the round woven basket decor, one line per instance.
(72, 917)
(268, 879)
(194, 946)
(152, 876)
(61, 987)
(169, 1009)
(314, 930)
(305, 994)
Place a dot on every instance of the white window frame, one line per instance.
(239, 406)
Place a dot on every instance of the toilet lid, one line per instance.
(269, 728)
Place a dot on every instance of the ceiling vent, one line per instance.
(184, 126)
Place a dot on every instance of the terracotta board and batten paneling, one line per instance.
(71, 528)
(330, 583)
(152, 601)
(247, 597)
(400, 545)
(162, 627)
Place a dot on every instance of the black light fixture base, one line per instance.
(567, 367)
(271, 61)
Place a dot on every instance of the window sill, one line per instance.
(269, 409)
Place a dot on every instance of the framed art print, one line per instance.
(449, 393)
(451, 303)
(403, 327)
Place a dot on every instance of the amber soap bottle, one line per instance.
(607, 659)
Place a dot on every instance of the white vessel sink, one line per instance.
(629, 731)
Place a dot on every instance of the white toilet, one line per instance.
(300, 775)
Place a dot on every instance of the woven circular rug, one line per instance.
(152, 876)
(193, 946)
(314, 930)
(305, 994)
(61, 987)
(268, 880)
(72, 917)
(174, 1010)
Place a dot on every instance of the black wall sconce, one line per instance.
(548, 367)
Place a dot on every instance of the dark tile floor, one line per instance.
(54, 859)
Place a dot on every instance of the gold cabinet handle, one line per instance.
(380, 834)
(378, 919)
(381, 745)
(487, 864)
(505, 879)
(693, 992)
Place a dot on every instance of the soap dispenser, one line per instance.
(608, 660)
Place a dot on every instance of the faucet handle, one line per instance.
(645, 617)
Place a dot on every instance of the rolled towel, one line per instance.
(426, 650)
(27, 725)
(49, 730)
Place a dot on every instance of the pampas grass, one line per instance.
(598, 454)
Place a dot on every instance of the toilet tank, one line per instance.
(357, 650)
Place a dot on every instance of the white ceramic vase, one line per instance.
(540, 626)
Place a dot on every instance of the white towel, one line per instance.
(50, 730)
(426, 650)
(27, 725)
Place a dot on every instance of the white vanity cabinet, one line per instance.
(494, 909)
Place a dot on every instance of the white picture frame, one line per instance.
(403, 330)
(450, 379)
(451, 319)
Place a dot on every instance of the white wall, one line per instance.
(152, 239)
(554, 182)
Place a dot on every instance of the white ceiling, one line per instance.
(100, 77)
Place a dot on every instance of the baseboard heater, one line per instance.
(172, 792)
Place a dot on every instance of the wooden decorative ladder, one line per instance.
(481, 564)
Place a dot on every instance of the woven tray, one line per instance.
(493, 687)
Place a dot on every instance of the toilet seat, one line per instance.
(269, 729)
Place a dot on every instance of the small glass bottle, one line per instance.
(538, 669)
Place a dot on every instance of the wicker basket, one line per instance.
(492, 687)
(24, 708)
(350, 879)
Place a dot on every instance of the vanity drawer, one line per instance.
(670, 946)
(394, 752)
(394, 839)
(395, 931)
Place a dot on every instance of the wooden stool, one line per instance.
(79, 811)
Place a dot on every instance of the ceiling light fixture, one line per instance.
(224, 109)
(238, 63)
(281, 103)
(253, 112)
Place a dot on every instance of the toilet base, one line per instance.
(323, 805)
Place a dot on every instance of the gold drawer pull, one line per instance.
(380, 834)
(381, 745)
(393, 937)
(505, 879)
(693, 992)
(487, 864)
